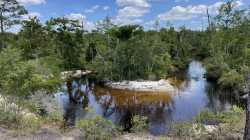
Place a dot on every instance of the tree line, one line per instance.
(33, 58)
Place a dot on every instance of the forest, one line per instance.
(32, 59)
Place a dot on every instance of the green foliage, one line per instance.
(232, 79)
(97, 129)
(231, 126)
(224, 117)
(215, 67)
(46, 106)
(16, 117)
(184, 129)
(139, 123)
(10, 13)
(23, 77)
(228, 55)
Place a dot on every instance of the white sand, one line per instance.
(144, 86)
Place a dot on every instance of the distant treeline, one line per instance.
(32, 59)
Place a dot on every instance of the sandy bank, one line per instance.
(143, 86)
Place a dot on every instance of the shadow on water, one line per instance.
(162, 109)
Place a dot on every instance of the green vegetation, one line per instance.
(126, 52)
(139, 124)
(15, 117)
(230, 125)
(97, 129)
(228, 55)
(31, 61)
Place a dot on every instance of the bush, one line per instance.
(139, 123)
(207, 116)
(231, 126)
(47, 106)
(215, 67)
(231, 79)
(15, 117)
(23, 78)
(97, 129)
(224, 117)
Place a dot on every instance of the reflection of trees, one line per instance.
(75, 92)
(76, 95)
(70, 115)
(219, 100)
(125, 104)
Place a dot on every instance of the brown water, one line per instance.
(162, 109)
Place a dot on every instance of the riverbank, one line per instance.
(143, 86)
(207, 125)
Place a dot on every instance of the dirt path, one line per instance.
(43, 134)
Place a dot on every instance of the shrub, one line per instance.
(15, 117)
(215, 67)
(97, 129)
(181, 129)
(207, 116)
(231, 79)
(139, 123)
(231, 126)
(223, 117)
(23, 78)
(47, 106)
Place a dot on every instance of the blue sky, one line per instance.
(190, 13)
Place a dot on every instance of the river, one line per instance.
(195, 93)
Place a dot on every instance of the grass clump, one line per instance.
(15, 117)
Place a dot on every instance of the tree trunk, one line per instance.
(70, 89)
(247, 126)
(1, 22)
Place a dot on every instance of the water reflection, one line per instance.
(162, 109)
(120, 106)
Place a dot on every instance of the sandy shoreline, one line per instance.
(143, 86)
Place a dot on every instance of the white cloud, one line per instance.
(130, 15)
(32, 2)
(189, 12)
(181, 0)
(131, 11)
(105, 8)
(193, 11)
(88, 25)
(133, 3)
(76, 16)
(92, 9)
(238, 3)
(124, 21)
(31, 15)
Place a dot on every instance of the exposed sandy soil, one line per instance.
(143, 86)
(43, 134)
(52, 134)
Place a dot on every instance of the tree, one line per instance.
(10, 13)
(104, 25)
(23, 78)
(228, 15)
(33, 39)
(157, 24)
(247, 126)
(66, 32)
